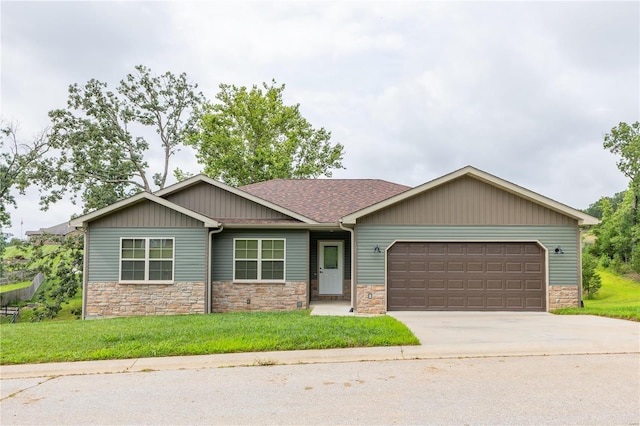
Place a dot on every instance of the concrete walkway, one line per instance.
(443, 335)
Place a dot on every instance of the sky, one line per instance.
(414, 90)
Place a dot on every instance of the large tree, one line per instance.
(250, 135)
(104, 139)
(624, 140)
(17, 160)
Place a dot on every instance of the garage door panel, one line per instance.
(495, 303)
(533, 268)
(475, 284)
(534, 285)
(467, 276)
(515, 285)
(455, 266)
(494, 285)
(456, 303)
(455, 285)
(476, 302)
(512, 267)
(436, 302)
(436, 285)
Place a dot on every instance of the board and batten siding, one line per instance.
(215, 202)
(189, 251)
(466, 201)
(296, 246)
(563, 268)
(146, 214)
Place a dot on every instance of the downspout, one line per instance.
(353, 263)
(209, 264)
(85, 270)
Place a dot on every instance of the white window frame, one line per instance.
(259, 260)
(147, 260)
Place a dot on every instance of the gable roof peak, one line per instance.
(582, 218)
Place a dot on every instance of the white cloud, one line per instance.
(523, 90)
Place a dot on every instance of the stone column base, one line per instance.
(563, 296)
(370, 299)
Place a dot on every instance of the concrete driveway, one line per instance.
(445, 334)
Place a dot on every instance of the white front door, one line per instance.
(330, 260)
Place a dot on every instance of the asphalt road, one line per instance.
(595, 389)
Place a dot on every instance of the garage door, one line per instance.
(466, 277)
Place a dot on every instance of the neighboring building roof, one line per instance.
(61, 229)
(582, 218)
(324, 200)
(81, 221)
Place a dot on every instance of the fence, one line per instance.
(21, 294)
(10, 312)
(15, 276)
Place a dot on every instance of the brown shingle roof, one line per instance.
(324, 200)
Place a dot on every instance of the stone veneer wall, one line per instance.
(563, 296)
(346, 292)
(375, 305)
(125, 300)
(233, 297)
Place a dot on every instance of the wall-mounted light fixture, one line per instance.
(558, 250)
(376, 249)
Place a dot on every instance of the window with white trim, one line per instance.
(146, 259)
(258, 259)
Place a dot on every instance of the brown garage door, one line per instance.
(466, 277)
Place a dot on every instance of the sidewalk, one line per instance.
(195, 362)
(443, 335)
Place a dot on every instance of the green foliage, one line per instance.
(617, 235)
(624, 140)
(596, 209)
(60, 262)
(590, 279)
(17, 160)
(63, 268)
(194, 335)
(100, 142)
(252, 136)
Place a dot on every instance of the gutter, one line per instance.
(353, 263)
(209, 270)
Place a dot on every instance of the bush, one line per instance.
(605, 261)
(590, 279)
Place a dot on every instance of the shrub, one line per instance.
(604, 262)
(590, 279)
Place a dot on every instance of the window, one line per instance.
(258, 260)
(146, 259)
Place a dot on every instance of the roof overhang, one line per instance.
(81, 222)
(580, 217)
(240, 193)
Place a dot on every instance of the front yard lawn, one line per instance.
(618, 297)
(139, 337)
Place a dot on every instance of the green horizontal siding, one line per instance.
(297, 252)
(563, 269)
(190, 251)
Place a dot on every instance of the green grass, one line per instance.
(14, 286)
(158, 336)
(618, 297)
